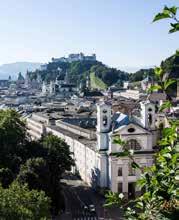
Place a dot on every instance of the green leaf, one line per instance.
(172, 10)
(140, 205)
(119, 141)
(166, 13)
(141, 182)
(167, 155)
(154, 88)
(175, 28)
(165, 105)
(168, 82)
(160, 16)
(158, 71)
(135, 165)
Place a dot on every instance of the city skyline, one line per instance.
(121, 34)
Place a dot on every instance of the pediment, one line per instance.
(131, 129)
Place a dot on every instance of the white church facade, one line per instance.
(60, 87)
(99, 161)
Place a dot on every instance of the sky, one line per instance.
(120, 32)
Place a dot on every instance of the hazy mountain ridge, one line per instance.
(13, 69)
(133, 69)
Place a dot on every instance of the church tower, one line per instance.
(27, 79)
(52, 88)
(103, 129)
(148, 115)
(103, 125)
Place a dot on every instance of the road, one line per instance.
(78, 198)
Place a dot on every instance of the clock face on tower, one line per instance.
(104, 111)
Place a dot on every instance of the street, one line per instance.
(82, 203)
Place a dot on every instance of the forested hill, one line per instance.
(79, 70)
(171, 66)
(141, 74)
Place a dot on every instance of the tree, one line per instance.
(58, 156)
(12, 128)
(59, 160)
(18, 202)
(45, 173)
(6, 177)
(12, 137)
(141, 74)
(36, 173)
(160, 182)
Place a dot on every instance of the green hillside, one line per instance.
(171, 66)
(79, 70)
(96, 83)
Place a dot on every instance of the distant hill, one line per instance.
(14, 68)
(141, 74)
(133, 69)
(78, 71)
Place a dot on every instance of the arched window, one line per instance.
(132, 145)
(105, 120)
(150, 119)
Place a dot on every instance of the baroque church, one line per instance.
(139, 135)
(99, 160)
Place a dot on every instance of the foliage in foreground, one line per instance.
(160, 182)
(18, 202)
(44, 173)
(40, 164)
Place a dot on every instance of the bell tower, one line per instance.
(52, 88)
(103, 125)
(103, 118)
(148, 115)
(103, 129)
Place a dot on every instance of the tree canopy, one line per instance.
(18, 202)
(40, 164)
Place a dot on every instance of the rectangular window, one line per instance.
(119, 187)
(131, 190)
(120, 171)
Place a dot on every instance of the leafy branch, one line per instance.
(169, 13)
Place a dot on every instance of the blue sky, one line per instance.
(120, 32)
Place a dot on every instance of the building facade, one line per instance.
(75, 57)
(99, 160)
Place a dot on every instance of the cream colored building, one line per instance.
(98, 160)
